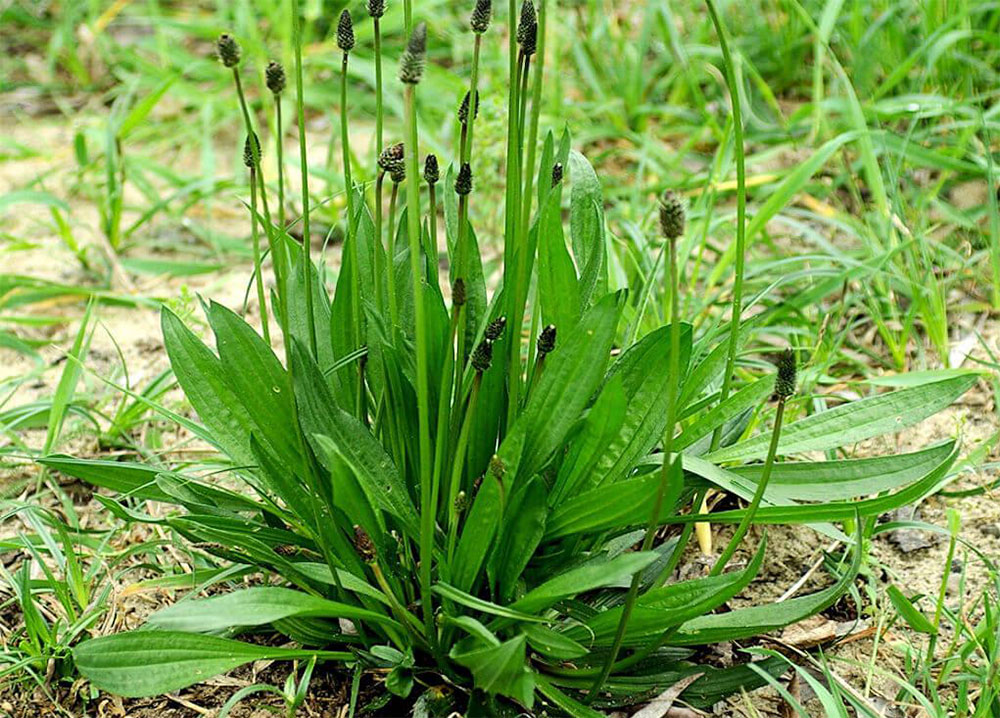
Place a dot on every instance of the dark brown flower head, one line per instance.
(463, 109)
(671, 215)
(557, 173)
(363, 544)
(482, 357)
(376, 8)
(495, 328)
(480, 20)
(228, 50)
(431, 172)
(784, 385)
(527, 29)
(345, 31)
(391, 159)
(248, 150)
(547, 340)
(463, 183)
(458, 292)
(275, 75)
(411, 63)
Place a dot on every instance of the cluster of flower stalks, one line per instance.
(470, 495)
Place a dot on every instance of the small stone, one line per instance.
(990, 530)
(909, 540)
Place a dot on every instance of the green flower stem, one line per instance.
(465, 155)
(279, 149)
(378, 88)
(473, 91)
(350, 239)
(390, 254)
(408, 16)
(427, 511)
(536, 105)
(511, 214)
(668, 460)
(432, 221)
(741, 212)
(458, 465)
(261, 300)
(274, 241)
(758, 495)
(442, 444)
(379, 253)
(516, 313)
(304, 168)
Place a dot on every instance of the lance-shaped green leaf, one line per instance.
(572, 374)
(351, 440)
(666, 607)
(746, 622)
(498, 670)
(645, 376)
(618, 506)
(150, 663)
(206, 386)
(830, 511)
(593, 574)
(256, 607)
(856, 421)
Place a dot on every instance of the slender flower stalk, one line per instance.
(411, 69)
(376, 9)
(741, 212)
(345, 41)
(391, 162)
(276, 80)
(527, 39)
(304, 169)
(431, 176)
(229, 53)
(784, 388)
(251, 149)
(672, 227)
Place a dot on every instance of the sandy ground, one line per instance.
(129, 337)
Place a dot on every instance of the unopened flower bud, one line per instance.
(431, 173)
(275, 75)
(463, 109)
(527, 29)
(463, 183)
(345, 31)
(671, 215)
(480, 20)
(249, 149)
(363, 544)
(228, 50)
(411, 63)
(482, 357)
(391, 160)
(495, 328)
(497, 467)
(557, 173)
(547, 340)
(458, 292)
(460, 502)
(784, 385)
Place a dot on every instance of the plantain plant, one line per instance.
(487, 490)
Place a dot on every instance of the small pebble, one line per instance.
(956, 565)
(991, 530)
